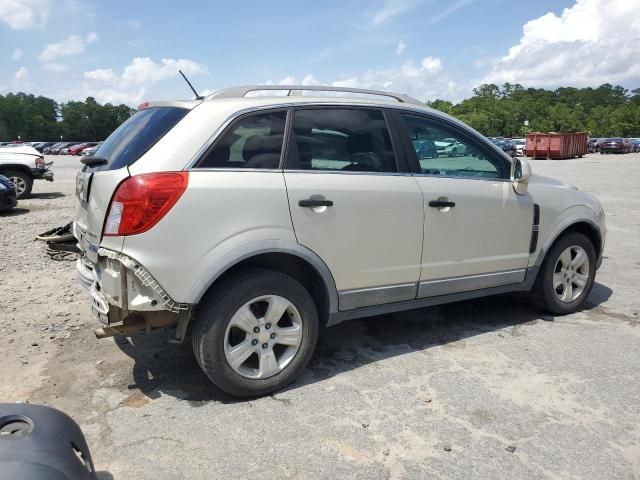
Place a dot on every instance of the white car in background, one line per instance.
(521, 144)
(22, 165)
(256, 220)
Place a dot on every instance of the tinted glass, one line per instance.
(252, 142)
(442, 150)
(355, 140)
(137, 135)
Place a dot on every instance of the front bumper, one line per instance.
(43, 173)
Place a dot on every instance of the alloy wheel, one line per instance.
(571, 274)
(19, 184)
(263, 337)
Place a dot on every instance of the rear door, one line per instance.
(96, 184)
(353, 204)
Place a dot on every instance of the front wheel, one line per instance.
(256, 332)
(567, 275)
(22, 183)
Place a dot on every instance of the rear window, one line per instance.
(137, 135)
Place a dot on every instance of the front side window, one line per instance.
(442, 150)
(340, 139)
(254, 141)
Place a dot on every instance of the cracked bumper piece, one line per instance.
(119, 286)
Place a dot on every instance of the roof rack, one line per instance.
(296, 90)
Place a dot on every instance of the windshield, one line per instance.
(137, 135)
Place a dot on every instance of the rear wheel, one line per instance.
(567, 275)
(21, 181)
(256, 332)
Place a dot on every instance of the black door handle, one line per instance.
(441, 204)
(311, 203)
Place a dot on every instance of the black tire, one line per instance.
(215, 313)
(544, 294)
(26, 178)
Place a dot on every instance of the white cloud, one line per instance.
(593, 42)
(17, 54)
(92, 38)
(400, 47)
(22, 14)
(310, 80)
(22, 80)
(424, 80)
(72, 45)
(131, 85)
(101, 75)
(22, 74)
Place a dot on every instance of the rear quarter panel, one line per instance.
(219, 215)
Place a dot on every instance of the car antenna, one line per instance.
(198, 97)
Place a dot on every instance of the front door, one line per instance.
(353, 206)
(477, 230)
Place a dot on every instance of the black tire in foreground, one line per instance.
(234, 315)
(22, 182)
(567, 275)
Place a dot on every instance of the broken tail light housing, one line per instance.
(40, 162)
(142, 201)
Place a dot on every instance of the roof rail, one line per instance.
(296, 90)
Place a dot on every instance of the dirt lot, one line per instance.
(442, 392)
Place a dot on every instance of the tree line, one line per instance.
(492, 110)
(38, 118)
(606, 111)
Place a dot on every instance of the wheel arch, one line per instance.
(585, 226)
(9, 167)
(305, 267)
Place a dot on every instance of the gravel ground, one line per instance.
(486, 389)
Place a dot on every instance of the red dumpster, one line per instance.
(556, 145)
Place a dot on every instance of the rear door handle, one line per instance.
(441, 204)
(311, 203)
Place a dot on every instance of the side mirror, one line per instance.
(520, 174)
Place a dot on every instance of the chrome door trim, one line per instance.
(433, 288)
(364, 297)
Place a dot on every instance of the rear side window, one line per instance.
(341, 139)
(137, 135)
(254, 141)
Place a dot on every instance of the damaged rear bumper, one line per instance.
(123, 292)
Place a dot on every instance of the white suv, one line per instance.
(253, 221)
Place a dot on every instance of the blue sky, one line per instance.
(130, 51)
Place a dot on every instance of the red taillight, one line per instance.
(141, 201)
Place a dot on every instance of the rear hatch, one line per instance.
(98, 180)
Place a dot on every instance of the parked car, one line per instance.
(57, 150)
(450, 147)
(47, 150)
(507, 146)
(65, 150)
(23, 165)
(613, 145)
(8, 198)
(87, 152)
(77, 149)
(520, 144)
(195, 215)
(42, 145)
